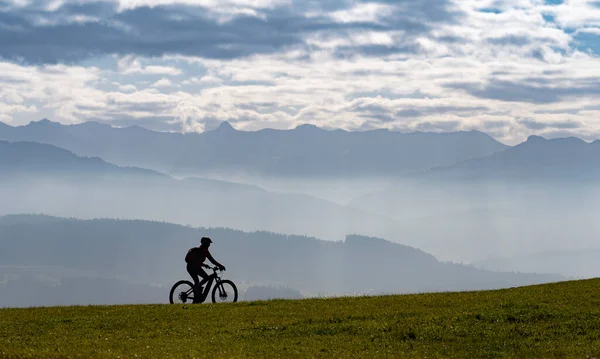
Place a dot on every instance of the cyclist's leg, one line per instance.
(202, 274)
(194, 274)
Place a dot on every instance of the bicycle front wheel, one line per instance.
(182, 292)
(225, 292)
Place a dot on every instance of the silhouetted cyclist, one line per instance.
(195, 258)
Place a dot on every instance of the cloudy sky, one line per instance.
(510, 68)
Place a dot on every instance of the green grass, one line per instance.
(544, 321)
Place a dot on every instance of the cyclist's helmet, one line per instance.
(205, 240)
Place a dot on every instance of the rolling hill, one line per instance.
(545, 321)
(146, 252)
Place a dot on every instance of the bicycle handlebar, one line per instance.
(215, 268)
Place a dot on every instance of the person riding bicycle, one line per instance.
(195, 258)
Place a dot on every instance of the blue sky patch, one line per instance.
(549, 17)
(586, 41)
(491, 10)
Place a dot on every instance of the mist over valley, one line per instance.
(478, 213)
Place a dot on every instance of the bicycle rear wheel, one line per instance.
(182, 292)
(225, 292)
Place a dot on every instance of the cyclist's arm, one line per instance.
(210, 258)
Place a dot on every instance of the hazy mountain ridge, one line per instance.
(470, 220)
(303, 151)
(32, 157)
(583, 263)
(461, 221)
(537, 158)
(87, 188)
(45, 160)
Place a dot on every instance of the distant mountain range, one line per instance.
(451, 210)
(582, 263)
(537, 158)
(20, 158)
(41, 178)
(304, 151)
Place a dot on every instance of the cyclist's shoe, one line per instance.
(198, 294)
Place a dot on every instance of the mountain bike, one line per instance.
(224, 290)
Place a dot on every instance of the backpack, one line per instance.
(192, 255)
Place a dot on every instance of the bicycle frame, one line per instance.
(207, 286)
(218, 290)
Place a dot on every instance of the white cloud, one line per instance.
(127, 88)
(575, 13)
(129, 65)
(588, 30)
(57, 87)
(362, 12)
(258, 4)
(224, 10)
(8, 112)
(162, 83)
(312, 83)
(210, 79)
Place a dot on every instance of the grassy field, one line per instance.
(545, 321)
